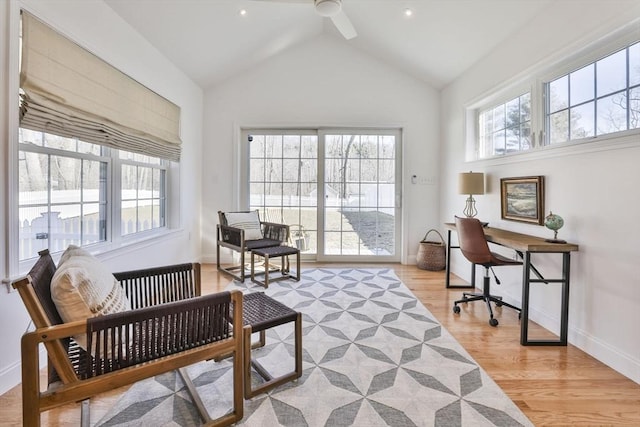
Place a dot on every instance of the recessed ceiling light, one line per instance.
(243, 12)
(408, 12)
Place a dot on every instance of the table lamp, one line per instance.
(470, 183)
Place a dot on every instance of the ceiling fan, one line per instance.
(329, 9)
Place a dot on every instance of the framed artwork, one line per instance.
(522, 199)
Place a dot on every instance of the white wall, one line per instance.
(593, 187)
(95, 26)
(322, 82)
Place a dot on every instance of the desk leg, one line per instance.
(447, 280)
(524, 318)
(564, 325)
(564, 315)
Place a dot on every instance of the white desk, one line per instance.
(525, 245)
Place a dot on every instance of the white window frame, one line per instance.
(483, 145)
(162, 196)
(535, 79)
(573, 66)
(492, 100)
(114, 233)
(48, 151)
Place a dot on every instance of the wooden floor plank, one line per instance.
(553, 386)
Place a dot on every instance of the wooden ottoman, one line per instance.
(273, 252)
(259, 313)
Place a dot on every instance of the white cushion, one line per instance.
(248, 221)
(82, 287)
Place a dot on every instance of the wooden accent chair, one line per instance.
(169, 327)
(241, 239)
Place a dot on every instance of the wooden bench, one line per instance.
(208, 326)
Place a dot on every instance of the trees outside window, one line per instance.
(66, 188)
(598, 99)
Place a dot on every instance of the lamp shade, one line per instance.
(471, 183)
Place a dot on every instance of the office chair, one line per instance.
(474, 247)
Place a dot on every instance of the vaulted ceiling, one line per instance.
(210, 40)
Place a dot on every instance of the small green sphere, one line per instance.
(553, 222)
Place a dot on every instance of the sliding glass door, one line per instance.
(339, 190)
(282, 171)
(360, 215)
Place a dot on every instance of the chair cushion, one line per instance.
(248, 221)
(262, 243)
(83, 287)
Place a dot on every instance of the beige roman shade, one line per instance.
(70, 92)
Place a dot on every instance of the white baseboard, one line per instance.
(208, 259)
(225, 258)
(623, 363)
(617, 360)
(12, 375)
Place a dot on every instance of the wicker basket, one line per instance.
(431, 255)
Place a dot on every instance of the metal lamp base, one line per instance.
(470, 210)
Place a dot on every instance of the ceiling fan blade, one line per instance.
(343, 24)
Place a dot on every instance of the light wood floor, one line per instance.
(555, 386)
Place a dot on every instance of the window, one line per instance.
(505, 128)
(64, 193)
(586, 97)
(598, 99)
(142, 196)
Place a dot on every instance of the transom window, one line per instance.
(505, 128)
(598, 99)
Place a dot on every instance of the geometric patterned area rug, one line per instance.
(373, 356)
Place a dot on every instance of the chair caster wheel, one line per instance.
(499, 304)
(519, 315)
(493, 322)
(456, 309)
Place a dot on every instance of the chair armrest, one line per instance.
(58, 332)
(275, 231)
(231, 237)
